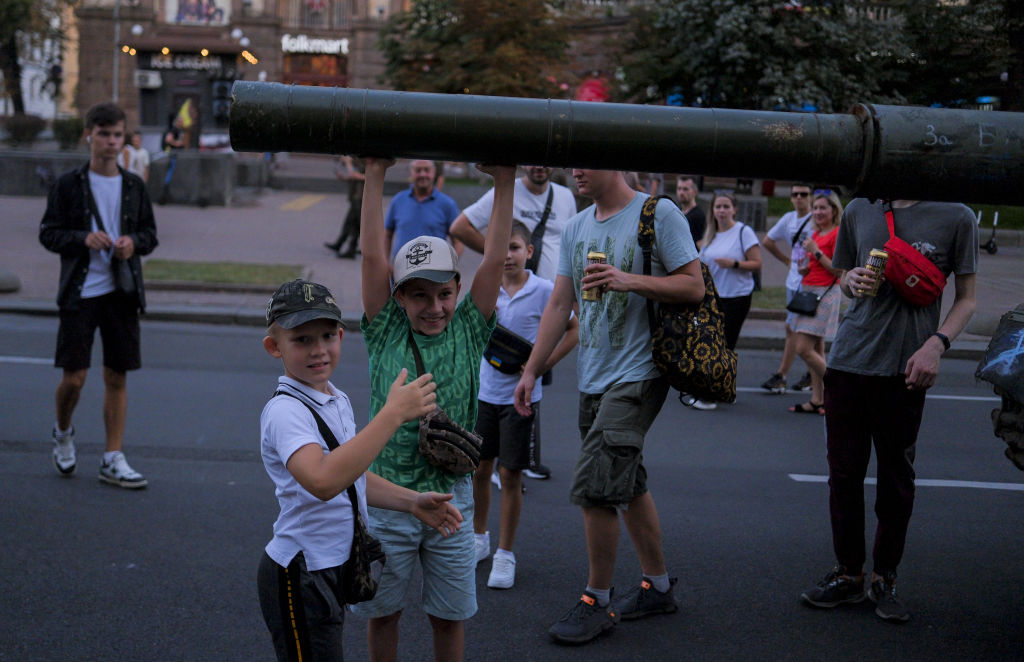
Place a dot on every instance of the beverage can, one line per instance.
(876, 263)
(594, 293)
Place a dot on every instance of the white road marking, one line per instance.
(26, 359)
(923, 482)
(930, 396)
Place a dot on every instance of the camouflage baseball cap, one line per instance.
(300, 301)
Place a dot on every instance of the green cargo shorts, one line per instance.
(610, 470)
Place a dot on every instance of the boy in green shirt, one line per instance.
(421, 307)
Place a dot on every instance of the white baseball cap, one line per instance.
(427, 257)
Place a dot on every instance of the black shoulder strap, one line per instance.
(332, 443)
(537, 236)
(796, 237)
(645, 238)
(416, 354)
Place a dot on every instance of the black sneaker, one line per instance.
(583, 622)
(645, 600)
(804, 384)
(835, 588)
(775, 384)
(888, 605)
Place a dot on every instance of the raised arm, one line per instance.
(488, 275)
(373, 241)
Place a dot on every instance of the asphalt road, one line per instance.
(168, 573)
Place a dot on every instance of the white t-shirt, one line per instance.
(137, 161)
(521, 315)
(731, 244)
(782, 234)
(106, 192)
(321, 530)
(529, 209)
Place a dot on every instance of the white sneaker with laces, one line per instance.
(496, 479)
(64, 452)
(503, 570)
(118, 472)
(482, 542)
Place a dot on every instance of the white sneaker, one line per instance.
(482, 542)
(64, 452)
(496, 479)
(503, 570)
(704, 405)
(117, 472)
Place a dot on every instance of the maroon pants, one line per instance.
(862, 410)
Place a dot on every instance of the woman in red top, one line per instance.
(820, 278)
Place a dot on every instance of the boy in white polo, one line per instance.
(506, 434)
(299, 578)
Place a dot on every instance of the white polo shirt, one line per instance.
(321, 530)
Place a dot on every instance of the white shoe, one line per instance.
(496, 479)
(704, 405)
(503, 570)
(482, 542)
(117, 472)
(64, 452)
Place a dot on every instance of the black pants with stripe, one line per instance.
(301, 610)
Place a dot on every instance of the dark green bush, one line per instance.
(22, 130)
(68, 131)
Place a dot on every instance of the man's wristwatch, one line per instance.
(944, 338)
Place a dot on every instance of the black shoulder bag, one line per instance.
(688, 340)
(360, 574)
(537, 236)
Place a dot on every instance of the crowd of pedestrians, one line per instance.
(482, 358)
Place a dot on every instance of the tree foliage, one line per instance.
(768, 54)
(507, 48)
(957, 51)
(30, 26)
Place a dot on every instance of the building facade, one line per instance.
(156, 57)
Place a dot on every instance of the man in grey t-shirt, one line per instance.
(884, 358)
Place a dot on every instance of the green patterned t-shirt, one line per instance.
(453, 357)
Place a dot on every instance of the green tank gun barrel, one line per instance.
(906, 152)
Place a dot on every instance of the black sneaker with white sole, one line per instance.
(834, 589)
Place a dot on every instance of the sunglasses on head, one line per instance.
(723, 191)
(799, 194)
(822, 191)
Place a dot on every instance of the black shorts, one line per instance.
(506, 434)
(117, 317)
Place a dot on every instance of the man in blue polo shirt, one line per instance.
(419, 210)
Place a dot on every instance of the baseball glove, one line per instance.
(447, 445)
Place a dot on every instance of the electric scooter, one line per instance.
(990, 245)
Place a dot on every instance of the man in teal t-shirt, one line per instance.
(621, 391)
(421, 307)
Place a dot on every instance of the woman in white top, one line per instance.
(135, 157)
(733, 253)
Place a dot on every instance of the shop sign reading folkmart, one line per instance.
(303, 44)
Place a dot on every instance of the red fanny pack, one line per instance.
(911, 274)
